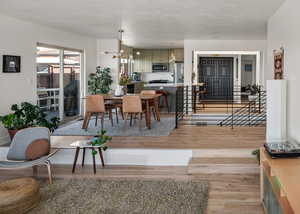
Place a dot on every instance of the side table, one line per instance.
(84, 145)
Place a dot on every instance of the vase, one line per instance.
(119, 91)
(125, 90)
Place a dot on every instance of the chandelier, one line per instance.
(117, 54)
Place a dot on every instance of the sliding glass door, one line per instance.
(58, 82)
(71, 83)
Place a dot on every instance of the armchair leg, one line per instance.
(48, 164)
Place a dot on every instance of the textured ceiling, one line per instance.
(150, 23)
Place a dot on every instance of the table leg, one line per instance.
(157, 109)
(101, 156)
(75, 159)
(148, 114)
(83, 156)
(94, 161)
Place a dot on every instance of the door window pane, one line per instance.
(71, 83)
(48, 69)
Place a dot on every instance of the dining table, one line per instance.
(146, 99)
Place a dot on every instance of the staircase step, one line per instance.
(223, 160)
(224, 153)
(223, 165)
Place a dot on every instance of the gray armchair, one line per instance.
(16, 157)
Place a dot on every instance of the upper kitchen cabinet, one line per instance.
(143, 61)
(178, 54)
(160, 56)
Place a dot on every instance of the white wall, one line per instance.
(220, 45)
(106, 60)
(20, 38)
(284, 31)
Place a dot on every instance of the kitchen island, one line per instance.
(170, 88)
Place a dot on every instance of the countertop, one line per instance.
(163, 85)
(287, 172)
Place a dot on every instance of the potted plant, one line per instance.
(253, 91)
(256, 153)
(100, 82)
(100, 140)
(27, 115)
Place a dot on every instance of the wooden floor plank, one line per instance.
(186, 137)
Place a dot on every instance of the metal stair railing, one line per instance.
(251, 114)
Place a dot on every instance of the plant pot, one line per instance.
(12, 133)
(252, 97)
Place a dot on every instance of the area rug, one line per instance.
(162, 128)
(123, 196)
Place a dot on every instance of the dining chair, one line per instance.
(151, 102)
(132, 105)
(95, 105)
(117, 106)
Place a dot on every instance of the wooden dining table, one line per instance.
(146, 98)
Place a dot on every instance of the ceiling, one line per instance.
(150, 23)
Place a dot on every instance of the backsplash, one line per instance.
(146, 77)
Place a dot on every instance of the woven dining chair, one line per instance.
(152, 102)
(95, 105)
(132, 105)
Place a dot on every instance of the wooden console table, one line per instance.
(280, 184)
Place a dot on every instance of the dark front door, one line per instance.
(217, 74)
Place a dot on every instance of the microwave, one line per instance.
(160, 67)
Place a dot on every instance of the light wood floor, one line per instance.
(187, 137)
(228, 193)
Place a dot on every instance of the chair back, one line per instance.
(22, 139)
(132, 104)
(95, 103)
(148, 92)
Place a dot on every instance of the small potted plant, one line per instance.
(100, 140)
(256, 153)
(253, 91)
(124, 80)
(27, 115)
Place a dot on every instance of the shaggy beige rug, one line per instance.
(123, 196)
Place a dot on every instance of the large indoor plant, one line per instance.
(27, 115)
(100, 82)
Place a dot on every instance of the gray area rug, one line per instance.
(162, 128)
(121, 196)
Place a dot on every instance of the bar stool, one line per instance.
(165, 95)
